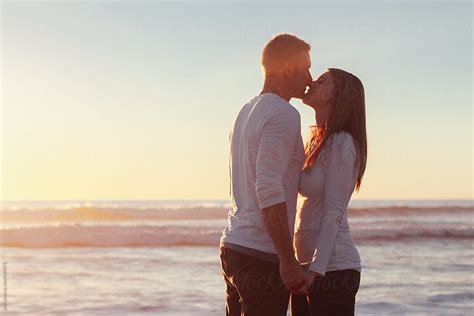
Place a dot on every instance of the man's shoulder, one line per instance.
(275, 105)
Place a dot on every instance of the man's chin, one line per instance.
(300, 96)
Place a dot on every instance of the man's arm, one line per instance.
(276, 222)
(277, 140)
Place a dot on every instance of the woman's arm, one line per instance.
(339, 184)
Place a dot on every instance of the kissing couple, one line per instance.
(277, 251)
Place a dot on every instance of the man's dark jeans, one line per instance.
(254, 286)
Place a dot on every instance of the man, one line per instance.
(266, 156)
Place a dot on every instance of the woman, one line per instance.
(336, 155)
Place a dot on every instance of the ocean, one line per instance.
(162, 257)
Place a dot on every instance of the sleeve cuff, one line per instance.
(316, 268)
(271, 200)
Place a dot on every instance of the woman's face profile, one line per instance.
(321, 91)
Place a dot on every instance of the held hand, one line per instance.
(292, 275)
(310, 277)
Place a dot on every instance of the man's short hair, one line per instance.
(280, 49)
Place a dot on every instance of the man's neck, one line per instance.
(276, 86)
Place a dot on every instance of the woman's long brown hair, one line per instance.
(346, 114)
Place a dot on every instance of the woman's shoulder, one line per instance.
(342, 148)
(342, 140)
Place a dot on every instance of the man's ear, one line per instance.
(287, 70)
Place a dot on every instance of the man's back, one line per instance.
(266, 156)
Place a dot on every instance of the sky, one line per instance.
(135, 100)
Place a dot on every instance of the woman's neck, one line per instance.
(321, 116)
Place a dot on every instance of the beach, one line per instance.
(162, 257)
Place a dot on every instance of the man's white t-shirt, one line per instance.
(266, 157)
